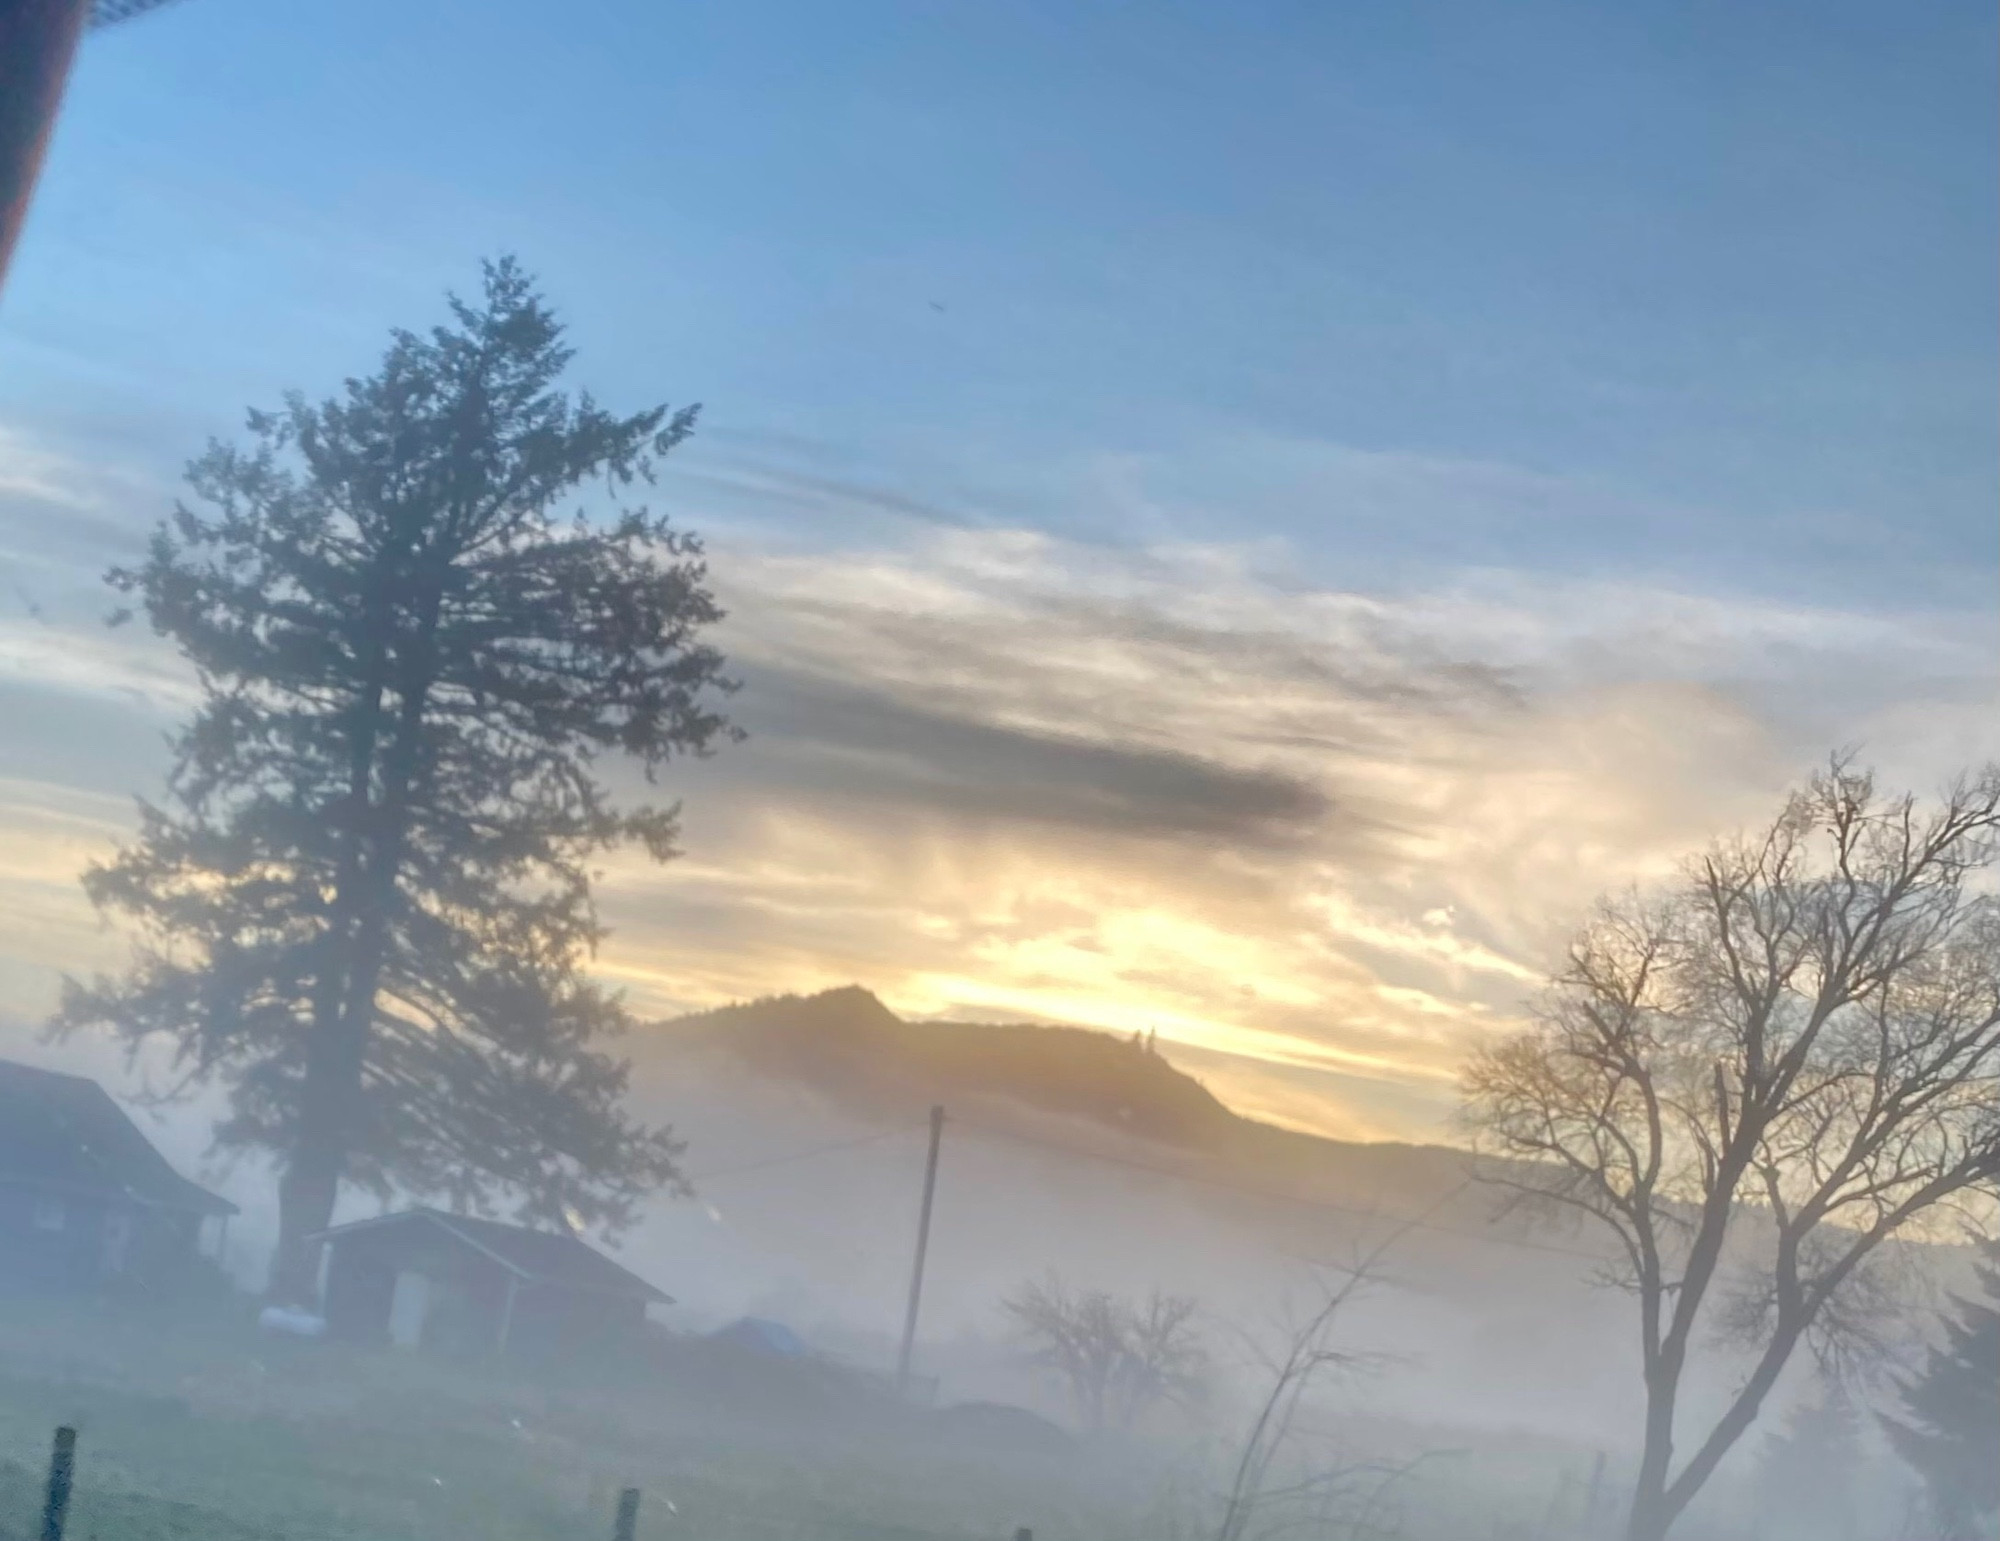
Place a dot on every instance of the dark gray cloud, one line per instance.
(870, 744)
(1118, 713)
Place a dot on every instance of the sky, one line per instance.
(1239, 520)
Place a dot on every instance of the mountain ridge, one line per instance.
(846, 1046)
(848, 1041)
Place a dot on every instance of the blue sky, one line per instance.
(1641, 353)
(1726, 259)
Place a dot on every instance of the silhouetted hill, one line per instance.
(846, 1046)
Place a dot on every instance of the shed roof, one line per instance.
(538, 1257)
(65, 1132)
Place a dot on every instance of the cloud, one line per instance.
(870, 744)
(1313, 829)
(758, 485)
(1320, 838)
(65, 515)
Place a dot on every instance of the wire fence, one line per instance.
(58, 1491)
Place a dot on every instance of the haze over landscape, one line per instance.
(1239, 526)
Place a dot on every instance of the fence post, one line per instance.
(1594, 1503)
(628, 1516)
(62, 1467)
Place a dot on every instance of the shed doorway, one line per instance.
(409, 1306)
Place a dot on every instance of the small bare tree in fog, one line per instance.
(1117, 1359)
(1262, 1501)
(1799, 1042)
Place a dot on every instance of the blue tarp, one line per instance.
(765, 1336)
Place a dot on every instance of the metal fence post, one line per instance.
(628, 1515)
(62, 1468)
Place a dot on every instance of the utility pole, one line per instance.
(38, 41)
(923, 1246)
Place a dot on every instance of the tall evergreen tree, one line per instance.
(1951, 1429)
(365, 902)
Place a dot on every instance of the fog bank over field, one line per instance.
(1069, 1153)
(1094, 1158)
(1098, 1160)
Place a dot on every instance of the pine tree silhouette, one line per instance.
(1951, 1431)
(1805, 1480)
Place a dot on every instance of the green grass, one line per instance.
(202, 1428)
(357, 1476)
(110, 1516)
(206, 1429)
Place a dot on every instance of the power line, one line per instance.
(1223, 1185)
(1247, 1190)
(802, 1155)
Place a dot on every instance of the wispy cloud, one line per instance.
(1004, 773)
(1319, 838)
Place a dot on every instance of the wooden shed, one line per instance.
(422, 1278)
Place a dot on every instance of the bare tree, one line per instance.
(1117, 1359)
(1760, 1078)
(1259, 1501)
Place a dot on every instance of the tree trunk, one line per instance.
(330, 1116)
(305, 1207)
(1650, 1520)
(344, 1016)
(310, 1186)
(1651, 1516)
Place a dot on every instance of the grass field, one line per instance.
(198, 1426)
(202, 1427)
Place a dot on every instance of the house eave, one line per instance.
(641, 1291)
(210, 1204)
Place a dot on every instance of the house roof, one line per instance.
(64, 1132)
(535, 1257)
